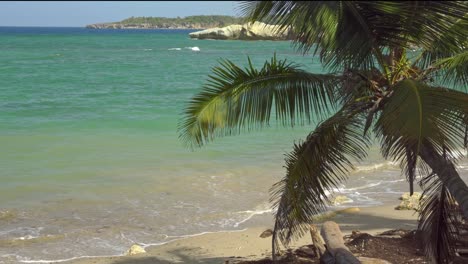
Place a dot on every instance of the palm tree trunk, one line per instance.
(445, 170)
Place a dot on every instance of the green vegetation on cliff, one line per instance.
(219, 21)
(164, 22)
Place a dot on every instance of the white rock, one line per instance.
(410, 202)
(248, 31)
(135, 249)
(341, 199)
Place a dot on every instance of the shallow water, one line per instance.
(91, 159)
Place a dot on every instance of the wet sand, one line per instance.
(247, 244)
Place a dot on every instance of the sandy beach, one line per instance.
(246, 244)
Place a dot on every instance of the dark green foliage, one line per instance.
(190, 21)
(236, 98)
(389, 60)
(439, 220)
(313, 168)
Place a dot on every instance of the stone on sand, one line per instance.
(340, 199)
(409, 202)
(266, 233)
(135, 249)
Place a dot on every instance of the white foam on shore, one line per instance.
(193, 235)
(193, 48)
(360, 198)
(144, 245)
(252, 214)
(175, 49)
(22, 260)
(376, 166)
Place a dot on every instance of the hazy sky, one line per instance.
(78, 14)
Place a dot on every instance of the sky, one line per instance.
(80, 14)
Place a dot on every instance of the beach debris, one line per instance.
(336, 251)
(354, 234)
(410, 202)
(350, 210)
(307, 251)
(135, 249)
(366, 260)
(340, 199)
(266, 233)
(395, 233)
(360, 240)
(317, 241)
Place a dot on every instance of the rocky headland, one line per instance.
(119, 25)
(190, 22)
(248, 31)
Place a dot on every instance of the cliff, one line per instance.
(190, 22)
(248, 31)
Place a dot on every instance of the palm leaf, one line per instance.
(409, 167)
(236, 98)
(455, 69)
(420, 120)
(313, 168)
(438, 220)
(349, 34)
(453, 42)
(319, 22)
(417, 112)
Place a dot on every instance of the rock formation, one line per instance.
(249, 31)
(135, 249)
(340, 199)
(410, 202)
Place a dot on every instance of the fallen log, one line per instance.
(317, 240)
(336, 251)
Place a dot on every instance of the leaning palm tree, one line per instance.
(398, 70)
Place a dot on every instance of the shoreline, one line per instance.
(218, 247)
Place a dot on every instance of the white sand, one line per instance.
(242, 245)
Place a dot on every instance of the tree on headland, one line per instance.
(398, 70)
(205, 21)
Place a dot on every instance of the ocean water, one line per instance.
(91, 162)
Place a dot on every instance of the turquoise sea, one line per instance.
(90, 159)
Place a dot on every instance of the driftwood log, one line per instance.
(317, 241)
(336, 251)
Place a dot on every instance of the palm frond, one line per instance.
(438, 220)
(315, 167)
(443, 165)
(465, 141)
(417, 112)
(409, 167)
(326, 24)
(236, 98)
(453, 42)
(352, 34)
(455, 69)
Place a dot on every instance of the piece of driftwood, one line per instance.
(337, 252)
(266, 233)
(317, 240)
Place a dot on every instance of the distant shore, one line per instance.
(189, 22)
(247, 245)
(139, 26)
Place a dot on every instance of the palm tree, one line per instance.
(398, 69)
